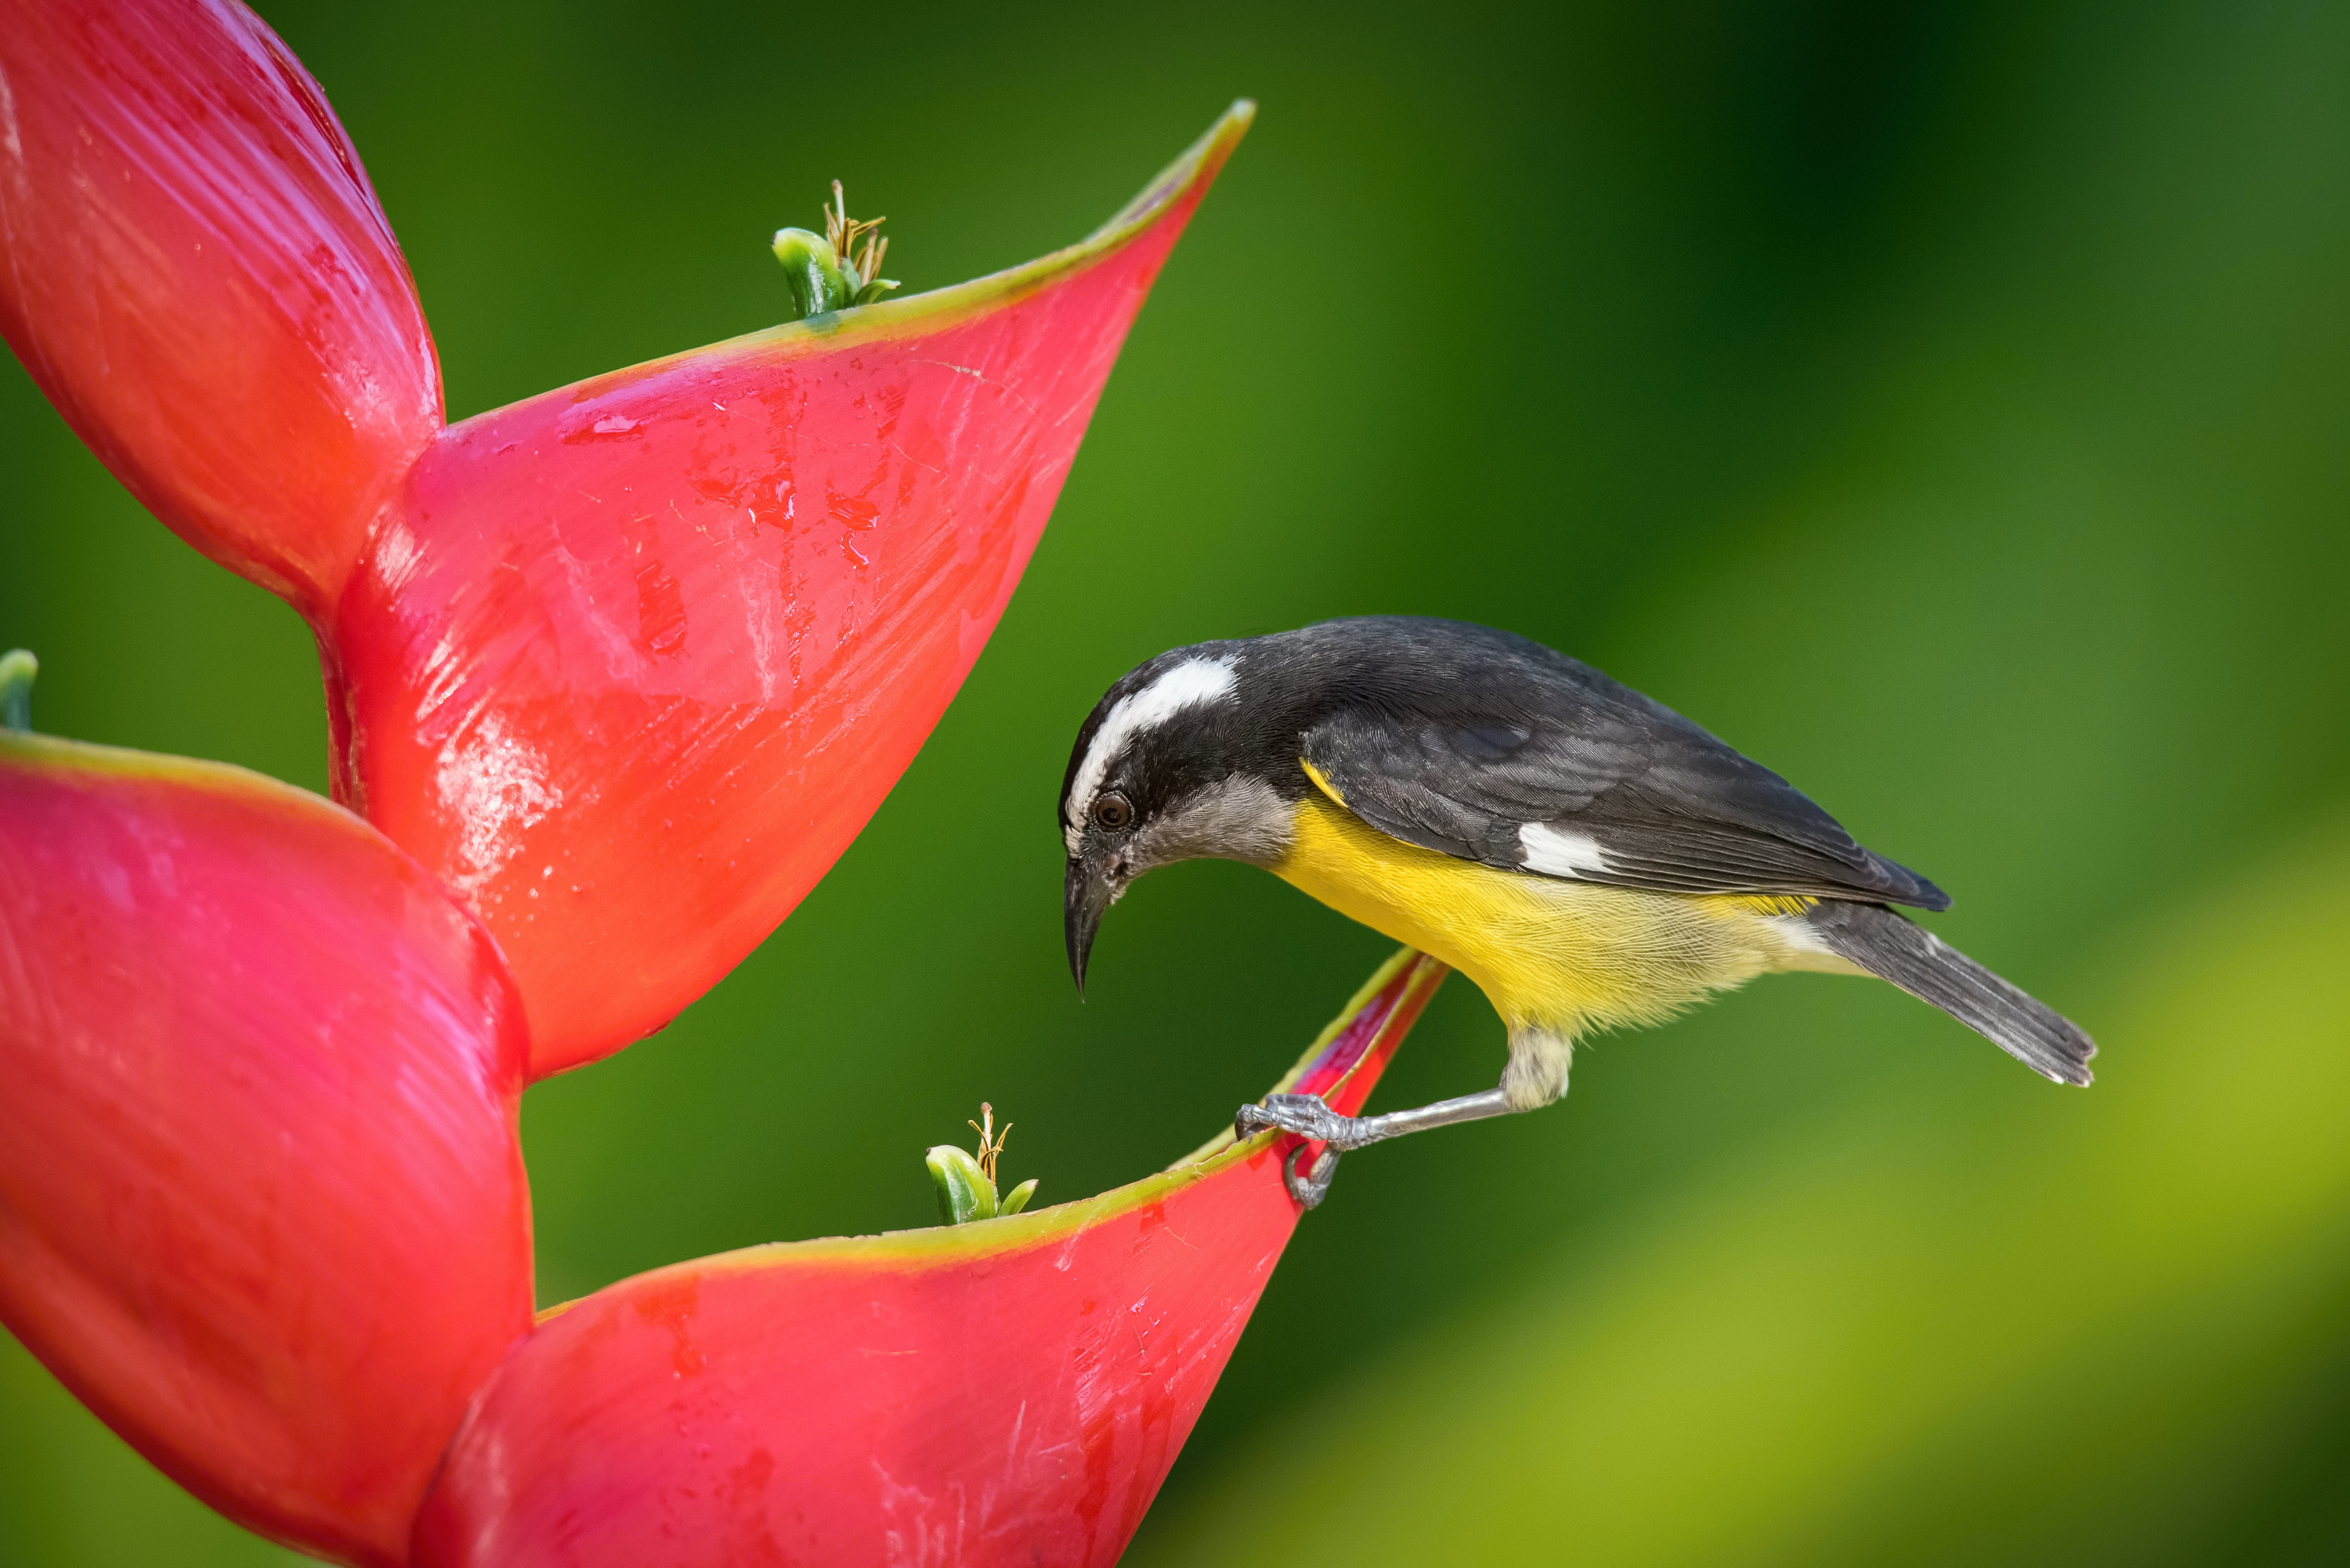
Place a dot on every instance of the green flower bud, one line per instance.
(813, 269)
(18, 667)
(965, 1193)
(1017, 1199)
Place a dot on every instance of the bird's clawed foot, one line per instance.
(1311, 1188)
(1304, 1114)
(1308, 1116)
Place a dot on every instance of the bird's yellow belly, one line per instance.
(1553, 954)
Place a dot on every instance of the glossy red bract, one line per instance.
(631, 662)
(1009, 1392)
(199, 278)
(262, 1204)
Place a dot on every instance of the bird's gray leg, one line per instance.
(1308, 1116)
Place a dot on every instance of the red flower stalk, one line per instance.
(629, 663)
(1007, 1392)
(261, 1206)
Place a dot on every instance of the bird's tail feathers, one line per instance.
(1890, 947)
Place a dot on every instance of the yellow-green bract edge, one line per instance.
(33, 750)
(939, 307)
(947, 1244)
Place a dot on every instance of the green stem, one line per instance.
(18, 667)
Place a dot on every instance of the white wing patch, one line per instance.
(1560, 851)
(1178, 687)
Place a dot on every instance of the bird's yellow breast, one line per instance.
(1554, 954)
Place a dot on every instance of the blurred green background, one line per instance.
(1947, 404)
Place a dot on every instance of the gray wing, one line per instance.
(1617, 789)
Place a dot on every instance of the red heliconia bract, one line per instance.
(627, 664)
(1009, 1392)
(630, 664)
(262, 1204)
(194, 269)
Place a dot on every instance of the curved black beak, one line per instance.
(1088, 893)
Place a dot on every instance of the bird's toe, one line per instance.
(1312, 1185)
(1304, 1115)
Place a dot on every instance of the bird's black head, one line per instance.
(1191, 754)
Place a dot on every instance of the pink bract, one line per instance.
(199, 278)
(1009, 1392)
(631, 662)
(262, 1203)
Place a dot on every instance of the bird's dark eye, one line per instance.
(1112, 811)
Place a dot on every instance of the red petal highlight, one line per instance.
(631, 662)
(261, 1206)
(194, 269)
(1007, 1392)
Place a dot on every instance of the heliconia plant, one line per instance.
(629, 663)
(614, 674)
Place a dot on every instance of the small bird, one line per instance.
(1587, 855)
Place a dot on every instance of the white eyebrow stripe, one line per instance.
(1176, 688)
(1559, 851)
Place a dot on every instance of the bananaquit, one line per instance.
(1587, 856)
